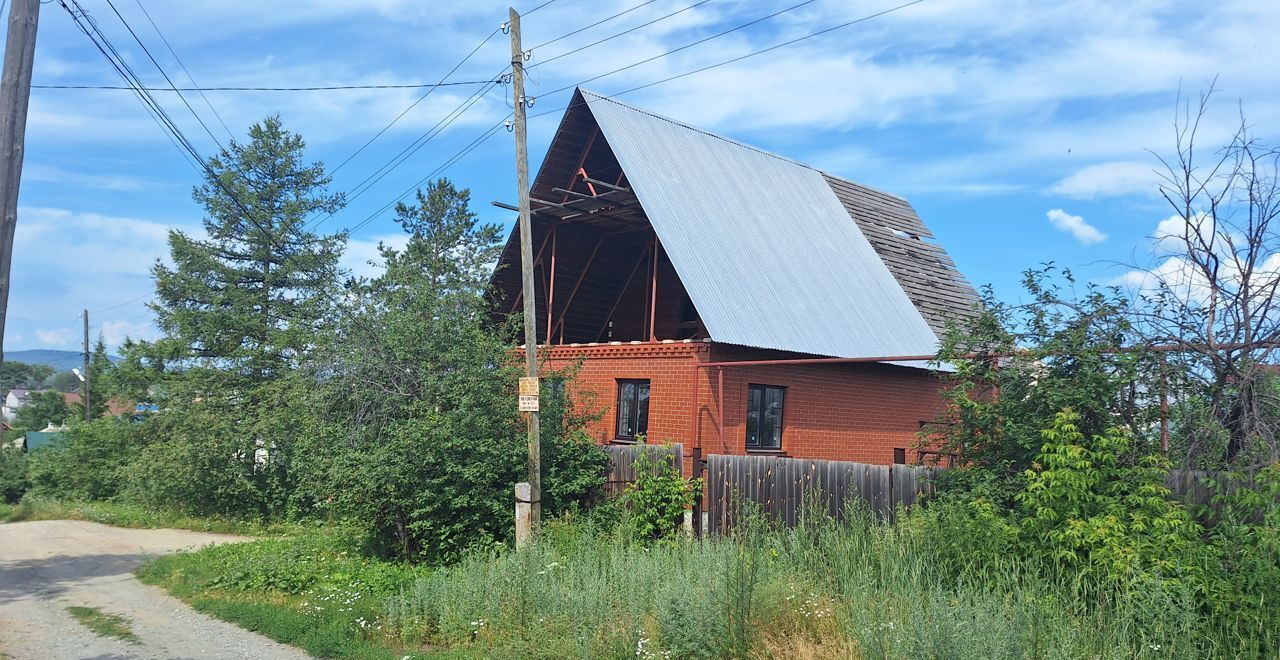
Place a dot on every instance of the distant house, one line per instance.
(15, 399)
(32, 440)
(115, 407)
(731, 299)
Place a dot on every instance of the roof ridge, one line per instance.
(732, 141)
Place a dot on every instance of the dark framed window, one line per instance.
(764, 416)
(633, 409)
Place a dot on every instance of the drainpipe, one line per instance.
(720, 408)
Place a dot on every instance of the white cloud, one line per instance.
(66, 261)
(107, 181)
(1172, 233)
(115, 332)
(1114, 179)
(59, 337)
(1075, 225)
(362, 257)
(1176, 273)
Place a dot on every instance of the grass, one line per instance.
(104, 624)
(866, 590)
(131, 515)
(315, 591)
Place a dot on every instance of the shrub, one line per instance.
(90, 462)
(658, 497)
(13, 474)
(1090, 511)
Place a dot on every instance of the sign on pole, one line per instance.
(529, 394)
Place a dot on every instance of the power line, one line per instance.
(104, 45)
(267, 89)
(404, 154)
(539, 7)
(89, 27)
(123, 304)
(155, 62)
(459, 155)
(413, 105)
(622, 33)
(184, 68)
(599, 22)
(407, 152)
(686, 46)
(773, 47)
(489, 133)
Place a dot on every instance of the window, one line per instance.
(553, 403)
(633, 408)
(764, 416)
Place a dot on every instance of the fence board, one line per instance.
(622, 462)
(780, 486)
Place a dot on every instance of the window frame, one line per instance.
(634, 418)
(746, 422)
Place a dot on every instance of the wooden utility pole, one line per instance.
(15, 92)
(526, 268)
(85, 384)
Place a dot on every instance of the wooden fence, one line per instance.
(622, 462)
(780, 487)
(1198, 489)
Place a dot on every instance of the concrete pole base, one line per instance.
(524, 514)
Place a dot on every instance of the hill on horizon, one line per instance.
(57, 360)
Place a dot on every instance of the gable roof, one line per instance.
(765, 249)
(771, 252)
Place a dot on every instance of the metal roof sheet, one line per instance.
(762, 244)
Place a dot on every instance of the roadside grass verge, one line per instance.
(104, 624)
(132, 515)
(314, 591)
(866, 589)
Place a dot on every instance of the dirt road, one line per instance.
(48, 566)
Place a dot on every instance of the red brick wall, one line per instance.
(669, 369)
(854, 412)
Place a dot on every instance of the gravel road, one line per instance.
(48, 566)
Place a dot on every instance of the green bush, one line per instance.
(91, 461)
(659, 496)
(13, 474)
(206, 465)
(1112, 521)
(1243, 578)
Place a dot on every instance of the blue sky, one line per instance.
(1019, 130)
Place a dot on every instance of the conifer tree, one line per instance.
(239, 309)
(246, 299)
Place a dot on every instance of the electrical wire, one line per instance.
(622, 33)
(91, 29)
(184, 69)
(413, 105)
(538, 7)
(88, 26)
(459, 155)
(599, 22)
(266, 89)
(123, 304)
(761, 51)
(404, 154)
(687, 46)
(172, 85)
(489, 133)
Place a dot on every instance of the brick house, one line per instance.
(733, 300)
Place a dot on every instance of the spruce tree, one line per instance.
(239, 308)
(246, 299)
